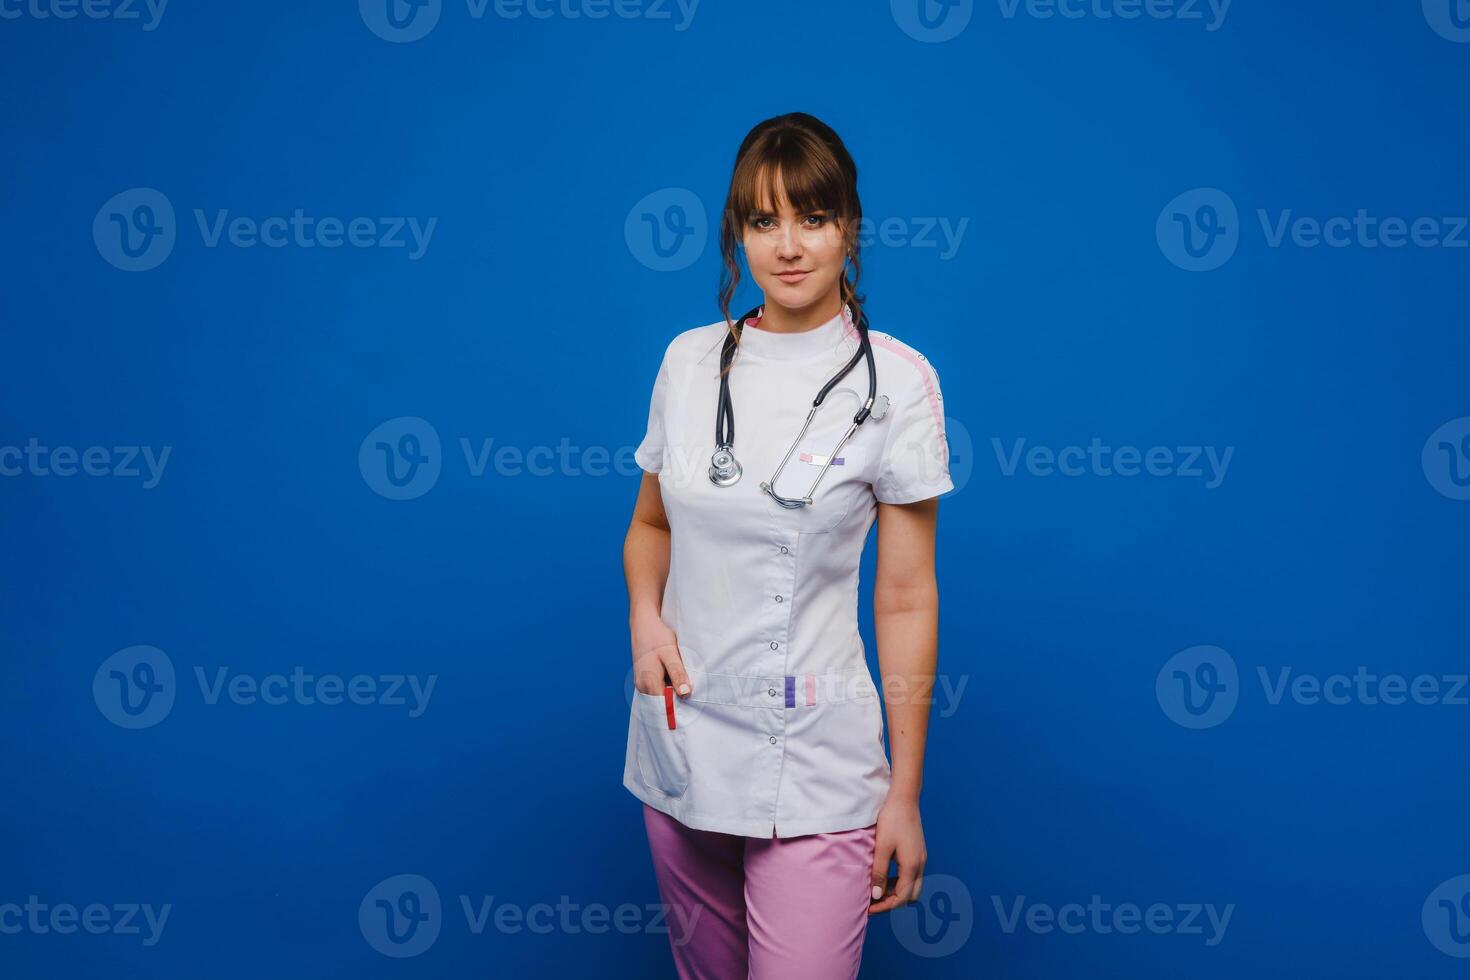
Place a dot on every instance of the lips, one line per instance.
(794, 275)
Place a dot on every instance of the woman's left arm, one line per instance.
(906, 622)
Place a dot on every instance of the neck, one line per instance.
(783, 319)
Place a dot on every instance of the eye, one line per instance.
(760, 222)
(817, 219)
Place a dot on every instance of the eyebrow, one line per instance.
(758, 213)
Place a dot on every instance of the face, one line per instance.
(796, 258)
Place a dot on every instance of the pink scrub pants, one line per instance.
(778, 909)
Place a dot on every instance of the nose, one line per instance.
(788, 244)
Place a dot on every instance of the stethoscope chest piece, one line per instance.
(880, 408)
(724, 468)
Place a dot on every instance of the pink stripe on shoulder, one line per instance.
(888, 343)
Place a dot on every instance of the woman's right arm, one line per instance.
(646, 567)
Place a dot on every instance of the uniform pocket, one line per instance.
(663, 764)
(831, 501)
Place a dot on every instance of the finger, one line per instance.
(905, 887)
(648, 673)
(678, 676)
(918, 886)
(881, 857)
(889, 901)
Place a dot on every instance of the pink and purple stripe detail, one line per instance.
(808, 684)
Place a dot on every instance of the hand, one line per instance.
(900, 836)
(656, 656)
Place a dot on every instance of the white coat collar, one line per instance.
(803, 344)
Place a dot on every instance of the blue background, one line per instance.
(533, 318)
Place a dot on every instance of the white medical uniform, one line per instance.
(783, 732)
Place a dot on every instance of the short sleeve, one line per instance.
(915, 461)
(650, 452)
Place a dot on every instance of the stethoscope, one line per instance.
(725, 470)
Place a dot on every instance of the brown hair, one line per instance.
(802, 154)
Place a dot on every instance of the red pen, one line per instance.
(669, 704)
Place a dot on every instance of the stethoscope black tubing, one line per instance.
(725, 409)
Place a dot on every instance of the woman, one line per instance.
(756, 736)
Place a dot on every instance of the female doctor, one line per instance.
(755, 740)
